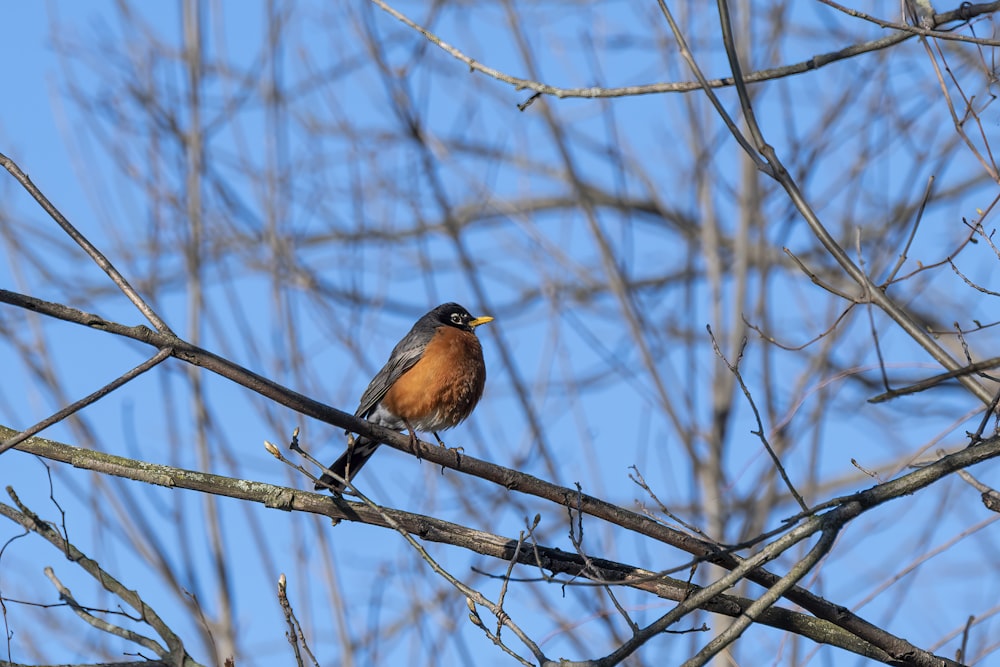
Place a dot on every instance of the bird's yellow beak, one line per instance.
(480, 320)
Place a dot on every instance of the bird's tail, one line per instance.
(348, 465)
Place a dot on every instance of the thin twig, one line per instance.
(989, 495)
(817, 281)
(72, 408)
(815, 62)
(95, 254)
(712, 97)
(986, 364)
(795, 348)
(294, 635)
(638, 479)
(870, 310)
(904, 254)
(697, 598)
(470, 593)
(760, 433)
(764, 602)
(965, 13)
(100, 623)
(29, 520)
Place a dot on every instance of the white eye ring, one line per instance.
(456, 318)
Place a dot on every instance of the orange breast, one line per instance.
(441, 389)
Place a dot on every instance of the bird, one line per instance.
(433, 379)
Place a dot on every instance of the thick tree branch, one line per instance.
(845, 509)
(554, 562)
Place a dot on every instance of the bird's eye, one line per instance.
(456, 318)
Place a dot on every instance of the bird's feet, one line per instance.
(458, 450)
(413, 439)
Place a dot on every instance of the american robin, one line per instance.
(432, 381)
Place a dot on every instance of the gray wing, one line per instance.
(406, 353)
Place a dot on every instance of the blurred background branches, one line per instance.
(290, 185)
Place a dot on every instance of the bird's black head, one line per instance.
(454, 315)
